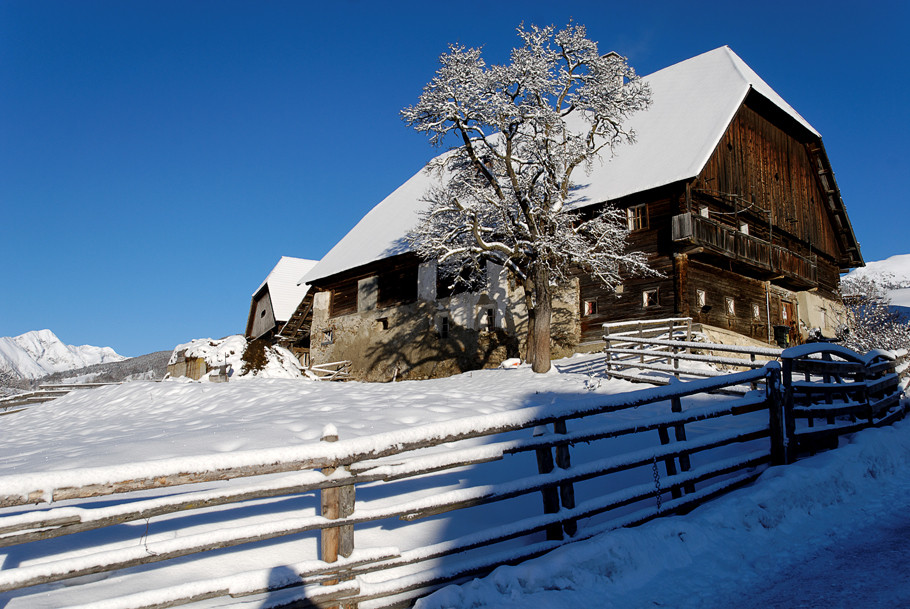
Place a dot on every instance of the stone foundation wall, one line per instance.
(433, 338)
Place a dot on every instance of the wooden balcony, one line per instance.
(771, 261)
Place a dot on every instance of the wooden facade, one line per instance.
(741, 240)
(731, 244)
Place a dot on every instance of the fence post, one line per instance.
(775, 403)
(753, 385)
(641, 358)
(863, 381)
(336, 502)
(787, 424)
(567, 489)
(549, 494)
(669, 463)
(606, 331)
(680, 432)
(689, 335)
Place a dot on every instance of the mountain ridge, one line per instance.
(38, 353)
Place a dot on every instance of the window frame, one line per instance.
(637, 217)
(648, 301)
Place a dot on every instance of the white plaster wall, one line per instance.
(426, 281)
(367, 293)
(816, 311)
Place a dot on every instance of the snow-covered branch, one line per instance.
(521, 130)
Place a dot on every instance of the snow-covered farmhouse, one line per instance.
(281, 308)
(728, 190)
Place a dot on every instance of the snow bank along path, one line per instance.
(723, 553)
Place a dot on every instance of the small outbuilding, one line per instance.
(279, 309)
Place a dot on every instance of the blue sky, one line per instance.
(159, 157)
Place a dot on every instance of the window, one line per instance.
(262, 314)
(328, 337)
(398, 286)
(756, 311)
(489, 319)
(637, 216)
(704, 212)
(701, 298)
(731, 306)
(590, 307)
(383, 323)
(464, 281)
(344, 298)
(744, 228)
(649, 298)
(443, 326)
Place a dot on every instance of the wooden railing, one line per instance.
(611, 460)
(829, 391)
(44, 393)
(666, 345)
(728, 241)
(331, 371)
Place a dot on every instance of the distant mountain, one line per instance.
(893, 274)
(152, 366)
(39, 353)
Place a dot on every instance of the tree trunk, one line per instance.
(539, 333)
(532, 316)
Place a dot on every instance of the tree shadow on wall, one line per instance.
(413, 347)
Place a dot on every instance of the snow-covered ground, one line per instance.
(709, 552)
(750, 548)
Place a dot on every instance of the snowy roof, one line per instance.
(284, 288)
(694, 102)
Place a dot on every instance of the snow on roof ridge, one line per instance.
(759, 85)
(676, 138)
(285, 288)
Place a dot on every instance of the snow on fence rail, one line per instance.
(607, 461)
(332, 371)
(44, 393)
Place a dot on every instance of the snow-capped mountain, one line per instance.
(892, 273)
(38, 353)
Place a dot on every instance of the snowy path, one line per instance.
(865, 568)
(831, 531)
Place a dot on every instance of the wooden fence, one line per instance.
(595, 462)
(666, 345)
(44, 393)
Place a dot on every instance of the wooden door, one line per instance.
(788, 317)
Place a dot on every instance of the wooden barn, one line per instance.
(281, 307)
(728, 189)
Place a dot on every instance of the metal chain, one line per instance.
(656, 482)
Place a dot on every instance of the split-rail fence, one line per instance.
(582, 465)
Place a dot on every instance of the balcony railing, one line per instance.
(727, 241)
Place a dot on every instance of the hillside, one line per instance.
(38, 353)
(893, 274)
(149, 367)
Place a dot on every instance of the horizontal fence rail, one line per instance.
(574, 469)
(662, 345)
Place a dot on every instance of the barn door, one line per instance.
(788, 318)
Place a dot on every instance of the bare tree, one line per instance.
(522, 131)
(874, 324)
